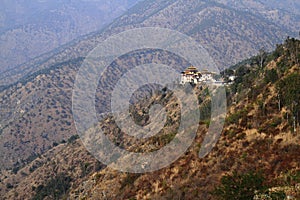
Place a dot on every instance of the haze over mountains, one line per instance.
(286, 13)
(230, 31)
(31, 28)
(36, 97)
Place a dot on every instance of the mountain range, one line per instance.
(38, 136)
(29, 29)
(229, 31)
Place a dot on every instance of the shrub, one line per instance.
(73, 138)
(271, 76)
(55, 188)
(278, 195)
(235, 117)
(9, 186)
(240, 186)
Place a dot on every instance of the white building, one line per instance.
(232, 78)
(192, 75)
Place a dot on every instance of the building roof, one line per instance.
(191, 69)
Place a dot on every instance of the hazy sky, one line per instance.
(29, 28)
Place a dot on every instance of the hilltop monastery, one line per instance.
(192, 75)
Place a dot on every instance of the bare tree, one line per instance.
(262, 56)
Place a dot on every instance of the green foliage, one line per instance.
(205, 110)
(206, 122)
(54, 189)
(167, 138)
(242, 71)
(278, 52)
(228, 72)
(289, 54)
(244, 79)
(276, 121)
(235, 117)
(231, 133)
(290, 178)
(271, 76)
(240, 186)
(293, 50)
(289, 90)
(280, 195)
(282, 66)
(247, 73)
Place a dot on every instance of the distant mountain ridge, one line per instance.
(30, 28)
(283, 13)
(230, 32)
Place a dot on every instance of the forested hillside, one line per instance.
(256, 156)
